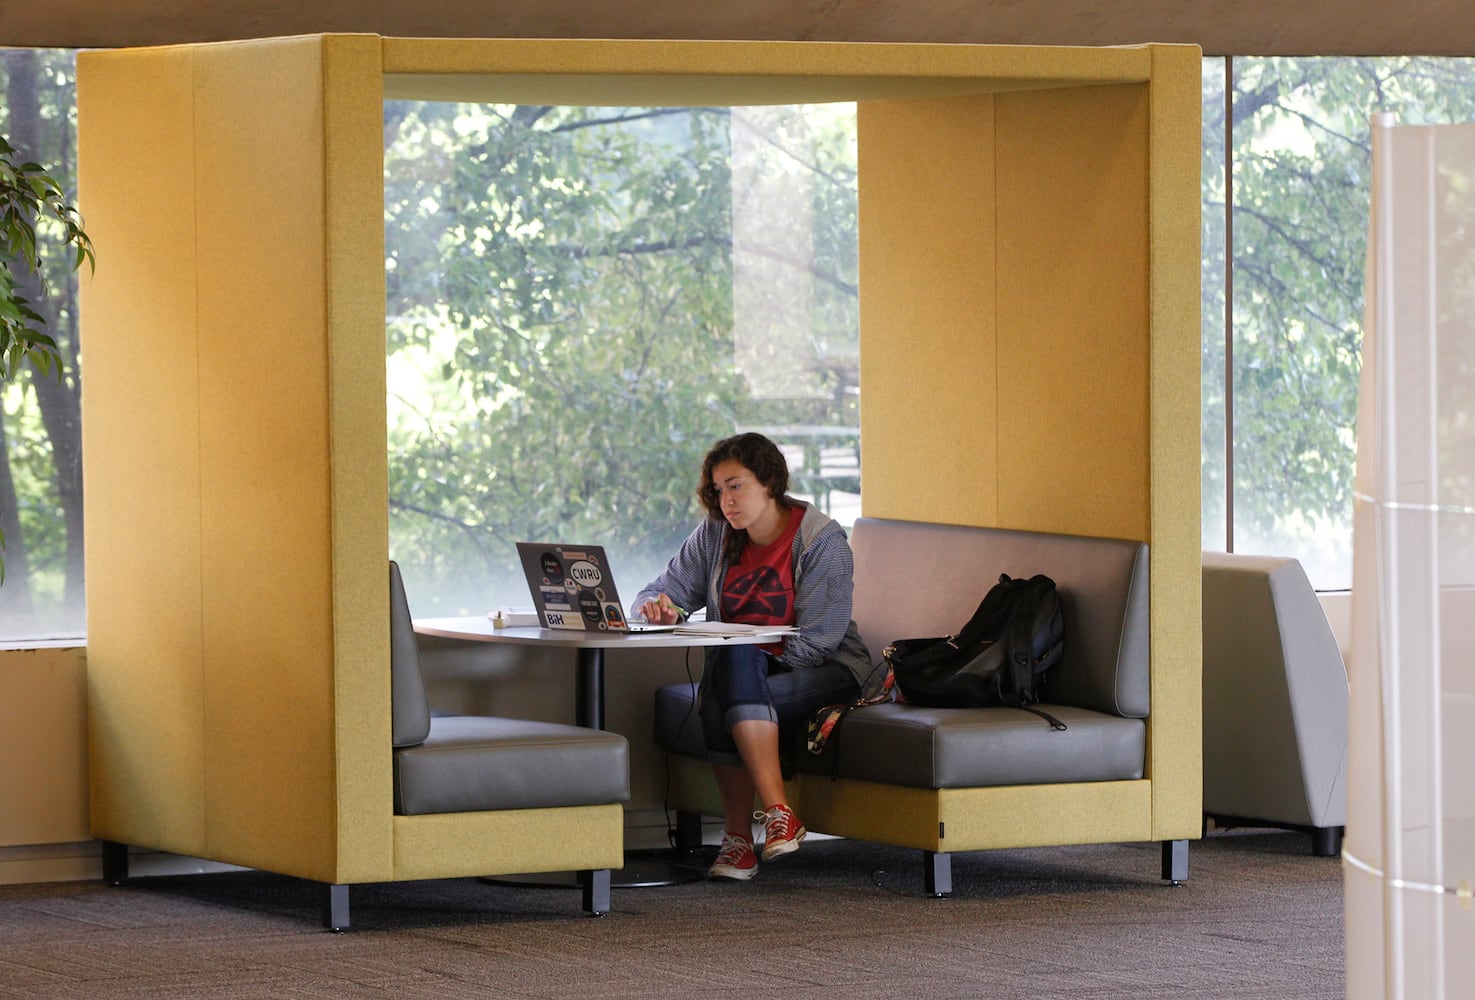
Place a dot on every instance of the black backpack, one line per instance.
(998, 658)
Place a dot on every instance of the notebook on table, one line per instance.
(573, 588)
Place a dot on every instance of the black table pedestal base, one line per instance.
(643, 869)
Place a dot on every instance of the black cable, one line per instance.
(666, 795)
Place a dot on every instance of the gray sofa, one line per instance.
(1275, 701)
(946, 780)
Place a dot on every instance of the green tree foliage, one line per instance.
(561, 329)
(28, 193)
(1301, 180)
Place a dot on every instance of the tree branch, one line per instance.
(574, 126)
(471, 531)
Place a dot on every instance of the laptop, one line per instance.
(574, 588)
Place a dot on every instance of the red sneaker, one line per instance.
(782, 831)
(735, 859)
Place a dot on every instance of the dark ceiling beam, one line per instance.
(1233, 27)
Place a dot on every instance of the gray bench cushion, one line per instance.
(945, 747)
(971, 747)
(475, 763)
(914, 579)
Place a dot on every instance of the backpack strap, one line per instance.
(824, 725)
(1022, 614)
(1055, 723)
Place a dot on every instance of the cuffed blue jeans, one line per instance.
(743, 682)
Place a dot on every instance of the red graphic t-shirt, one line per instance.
(759, 587)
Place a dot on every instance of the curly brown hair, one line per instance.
(764, 460)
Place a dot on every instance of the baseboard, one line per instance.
(82, 862)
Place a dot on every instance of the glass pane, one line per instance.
(40, 418)
(581, 300)
(1301, 174)
(1214, 458)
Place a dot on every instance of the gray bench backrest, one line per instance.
(914, 579)
(409, 708)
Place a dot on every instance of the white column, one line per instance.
(1410, 845)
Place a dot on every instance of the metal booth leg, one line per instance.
(937, 873)
(1175, 861)
(335, 907)
(594, 885)
(114, 862)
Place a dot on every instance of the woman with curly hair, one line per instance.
(762, 557)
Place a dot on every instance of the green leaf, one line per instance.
(28, 191)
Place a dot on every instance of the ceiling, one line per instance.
(1233, 27)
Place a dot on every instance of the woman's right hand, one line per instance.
(660, 611)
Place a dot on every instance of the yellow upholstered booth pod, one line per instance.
(1029, 323)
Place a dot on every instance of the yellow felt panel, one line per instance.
(660, 72)
(141, 445)
(359, 480)
(508, 842)
(975, 819)
(265, 460)
(1175, 755)
(971, 818)
(1073, 311)
(1102, 812)
(928, 351)
(864, 810)
(262, 456)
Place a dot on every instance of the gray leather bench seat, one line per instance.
(944, 747)
(474, 763)
(973, 747)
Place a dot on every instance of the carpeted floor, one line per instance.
(1260, 918)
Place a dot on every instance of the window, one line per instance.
(1214, 282)
(581, 300)
(40, 420)
(1296, 235)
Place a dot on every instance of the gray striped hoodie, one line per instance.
(823, 584)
